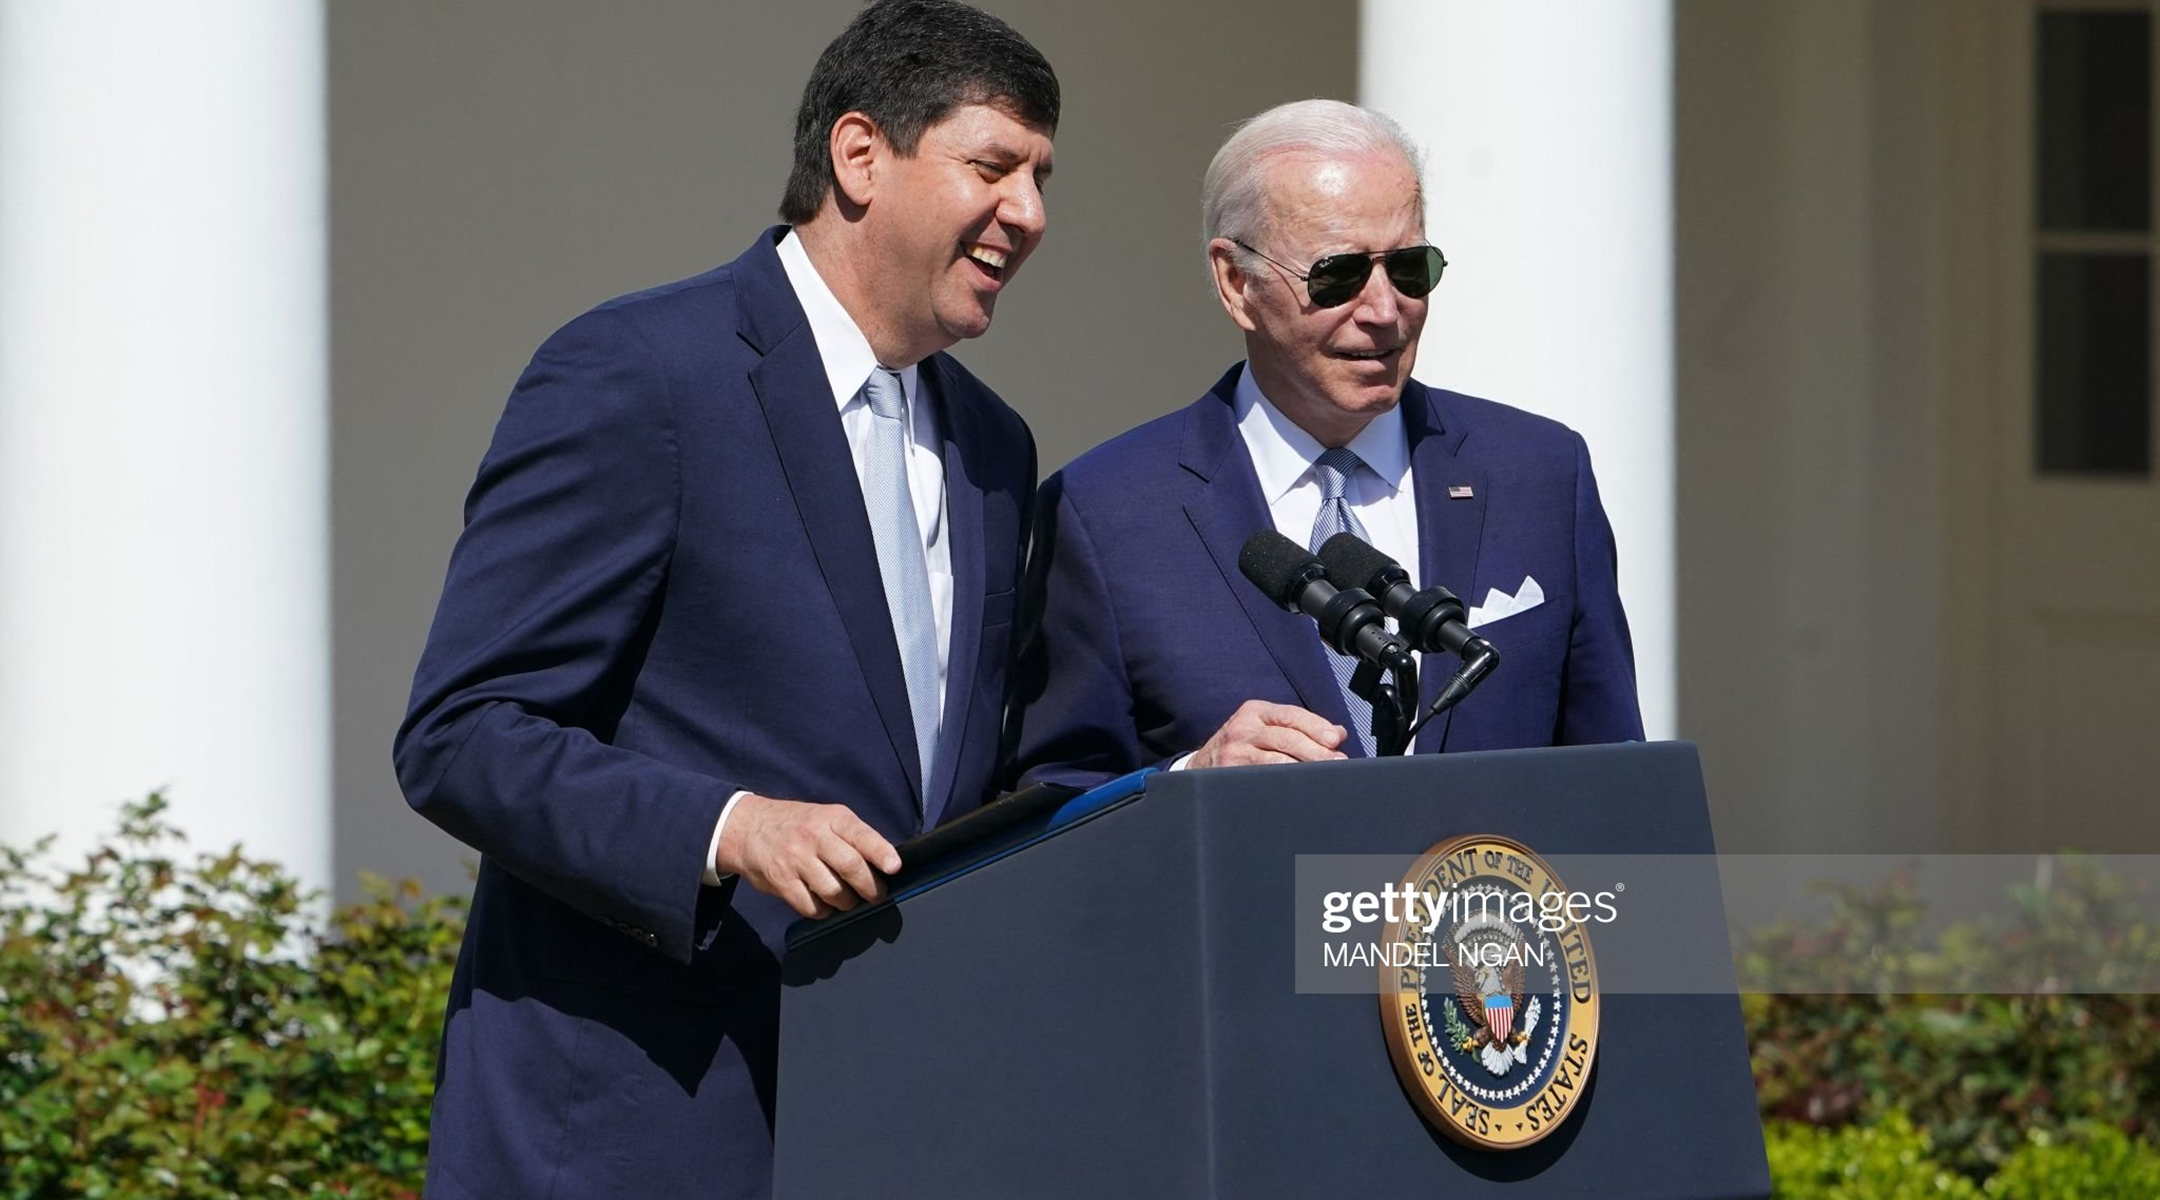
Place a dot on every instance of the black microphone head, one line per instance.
(1352, 563)
(1279, 567)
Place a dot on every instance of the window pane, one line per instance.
(2094, 344)
(2095, 121)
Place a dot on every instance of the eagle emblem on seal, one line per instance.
(1488, 972)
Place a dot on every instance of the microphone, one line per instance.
(1431, 620)
(1349, 620)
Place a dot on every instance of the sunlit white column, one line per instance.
(163, 410)
(1548, 125)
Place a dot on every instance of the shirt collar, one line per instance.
(1283, 454)
(841, 345)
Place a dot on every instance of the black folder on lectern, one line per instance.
(1100, 1003)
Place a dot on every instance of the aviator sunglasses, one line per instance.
(1338, 278)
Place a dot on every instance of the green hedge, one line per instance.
(1891, 1159)
(1886, 1161)
(176, 1025)
(2102, 1164)
(1983, 1075)
(187, 1027)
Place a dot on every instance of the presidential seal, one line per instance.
(1493, 1024)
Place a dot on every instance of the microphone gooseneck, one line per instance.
(1432, 620)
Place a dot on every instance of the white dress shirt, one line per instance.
(1380, 492)
(848, 361)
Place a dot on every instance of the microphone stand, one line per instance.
(1394, 701)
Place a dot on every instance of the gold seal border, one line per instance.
(1445, 1107)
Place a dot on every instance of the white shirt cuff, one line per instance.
(1178, 763)
(713, 878)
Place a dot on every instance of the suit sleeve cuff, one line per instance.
(713, 878)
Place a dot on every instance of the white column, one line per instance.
(1548, 129)
(163, 410)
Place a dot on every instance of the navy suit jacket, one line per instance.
(667, 590)
(1143, 637)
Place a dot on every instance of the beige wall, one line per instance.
(497, 166)
(1808, 429)
(1895, 633)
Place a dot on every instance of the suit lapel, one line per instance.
(1450, 529)
(798, 406)
(1228, 509)
(964, 541)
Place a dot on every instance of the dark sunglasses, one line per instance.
(1338, 278)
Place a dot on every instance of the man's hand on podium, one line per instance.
(820, 858)
(1260, 732)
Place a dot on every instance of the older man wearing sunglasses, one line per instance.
(1145, 646)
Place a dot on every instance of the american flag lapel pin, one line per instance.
(1460, 491)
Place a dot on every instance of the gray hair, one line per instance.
(1233, 199)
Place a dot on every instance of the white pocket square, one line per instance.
(1499, 604)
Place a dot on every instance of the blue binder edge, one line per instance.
(1073, 813)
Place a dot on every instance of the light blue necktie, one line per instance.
(891, 508)
(1333, 470)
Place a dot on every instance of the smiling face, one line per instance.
(1330, 370)
(945, 229)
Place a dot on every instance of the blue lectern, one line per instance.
(1098, 1001)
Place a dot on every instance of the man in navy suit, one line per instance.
(1147, 647)
(730, 616)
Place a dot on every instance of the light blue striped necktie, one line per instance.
(891, 507)
(1333, 470)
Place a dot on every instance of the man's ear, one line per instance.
(1231, 282)
(858, 149)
